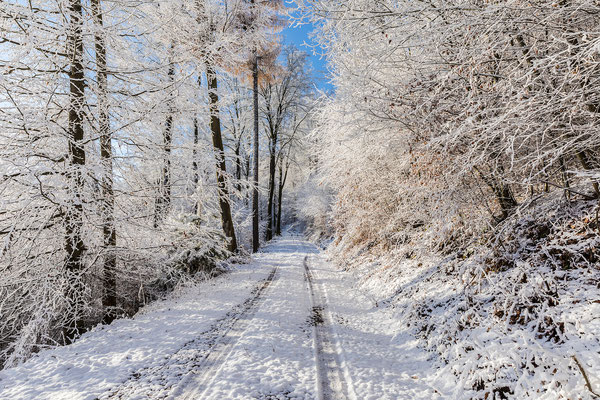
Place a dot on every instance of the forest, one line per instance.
(126, 148)
(452, 171)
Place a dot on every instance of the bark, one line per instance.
(215, 127)
(168, 141)
(282, 179)
(195, 154)
(272, 170)
(247, 173)
(255, 239)
(565, 177)
(238, 136)
(74, 245)
(196, 178)
(238, 165)
(163, 200)
(505, 198)
(109, 297)
(502, 191)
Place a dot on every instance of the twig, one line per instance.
(586, 196)
(587, 381)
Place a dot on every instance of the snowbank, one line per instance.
(517, 318)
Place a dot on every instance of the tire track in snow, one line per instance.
(198, 380)
(333, 380)
(198, 359)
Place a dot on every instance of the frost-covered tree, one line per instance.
(109, 187)
(260, 20)
(465, 109)
(283, 98)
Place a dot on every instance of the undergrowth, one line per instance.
(516, 314)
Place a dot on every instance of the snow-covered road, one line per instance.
(286, 326)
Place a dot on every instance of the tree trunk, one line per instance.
(74, 246)
(255, 239)
(196, 177)
(196, 173)
(168, 141)
(504, 195)
(163, 200)
(109, 297)
(282, 180)
(272, 167)
(505, 199)
(238, 165)
(565, 177)
(215, 127)
(247, 173)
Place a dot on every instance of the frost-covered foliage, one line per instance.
(313, 208)
(109, 191)
(451, 114)
(458, 125)
(511, 318)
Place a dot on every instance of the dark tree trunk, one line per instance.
(565, 177)
(502, 191)
(282, 179)
(109, 297)
(255, 239)
(247, 172)
(272, 168)
(163, 200)
(196, 178)
(238, 165)
(74, 246)
(167, 161)
(505, 199)
(196, 173)
(215, 127)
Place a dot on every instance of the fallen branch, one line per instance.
(587, 380)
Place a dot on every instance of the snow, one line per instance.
(497, 331)
(108, 355)
(384, 360)
(274, 355)
(291, 325)
(204, 343)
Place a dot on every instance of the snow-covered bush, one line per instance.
(512, 318)
(461, 146)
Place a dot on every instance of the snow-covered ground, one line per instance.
(254, 333)
(518, 320)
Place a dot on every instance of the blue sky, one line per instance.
(300, 35)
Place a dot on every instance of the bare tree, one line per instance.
(281, 99)
(74, 246)
(109, 297)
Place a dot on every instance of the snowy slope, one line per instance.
(518, 320)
